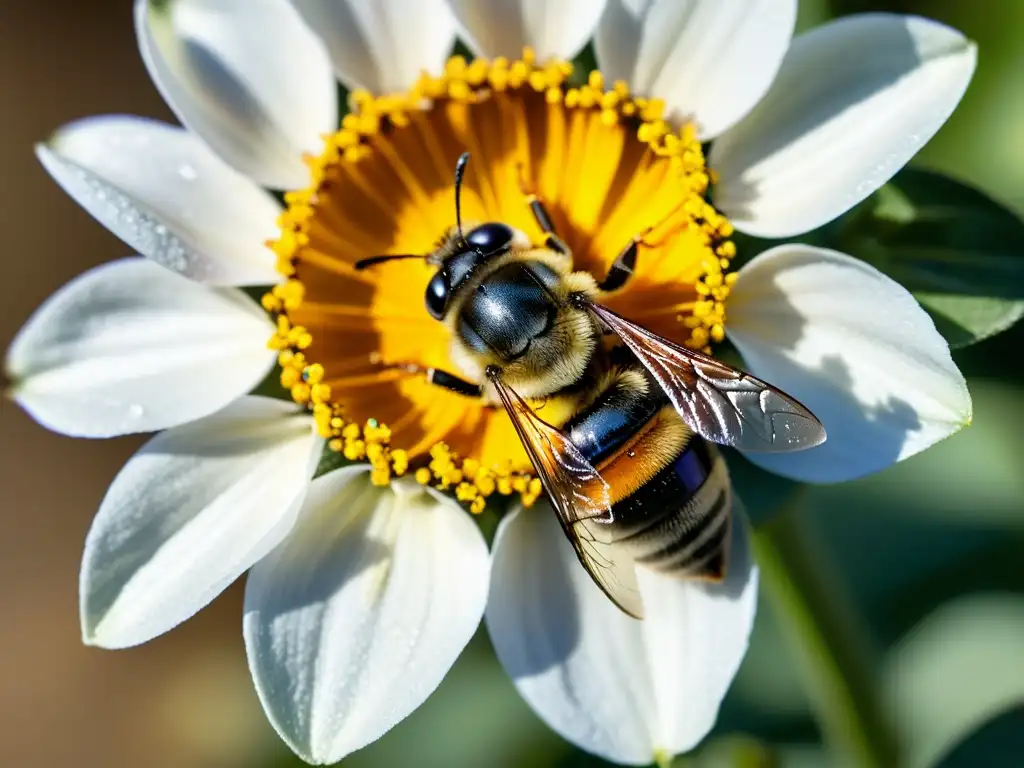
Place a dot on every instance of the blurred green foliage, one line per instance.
(925, 557)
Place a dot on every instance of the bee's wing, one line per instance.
(611, 568)
(580, 498)
(717, 401)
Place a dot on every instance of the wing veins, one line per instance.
(706, 392)
(580, 498)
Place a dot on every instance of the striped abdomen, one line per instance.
(670, 490)
(678, 521)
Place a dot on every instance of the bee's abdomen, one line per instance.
(616, 416)
(678, 522)
(670, 492)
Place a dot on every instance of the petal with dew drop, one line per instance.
(132, 347)
(248, 76)
(357, 616)
(192, 510)
(623, 689)
(853, 346)
(162, 191)
(854, 100)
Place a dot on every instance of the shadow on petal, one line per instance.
(331, 546)
(740, 562)
(356, 618)
(695, 636)
(845, 356)
(902, 57)
(618, 39)
(827, 102)
(819, 143)
(617, 687)
(531, 583)
(224, 88)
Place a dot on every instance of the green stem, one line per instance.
(832, 653)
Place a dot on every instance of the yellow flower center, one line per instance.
(605, 165)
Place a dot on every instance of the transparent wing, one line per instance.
(581, 500)
(719, 402)
(576, 489)
(609, 565)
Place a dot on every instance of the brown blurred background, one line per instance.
(62, 703)
(185, 699)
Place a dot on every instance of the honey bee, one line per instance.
(629, 461)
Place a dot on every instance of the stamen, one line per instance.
(607, 166)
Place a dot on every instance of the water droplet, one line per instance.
(136, 411)
(135, 225)
(188, 173)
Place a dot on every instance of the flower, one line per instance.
(367, 582)
(356, 618)
(190, 512)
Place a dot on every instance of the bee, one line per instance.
(628, 456)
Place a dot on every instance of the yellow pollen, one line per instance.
(608, 166)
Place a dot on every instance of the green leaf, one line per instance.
(330, 461)
(954, 671)
(763, 493)
(999, 743)
(960, 253)
(584, 63)
(832, 646)
(271, 386)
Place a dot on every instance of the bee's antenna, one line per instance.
(460, 171)
(370, 261)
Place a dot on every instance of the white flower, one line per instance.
(132, 347)
(190, 512)
(630, 691)
(361, 597)
(354, 620)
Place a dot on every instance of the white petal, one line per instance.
(619, 688)
(189, 513)
(852, 103)
(710, 60)
(163, 192)
(248, 76)
(383, 45)
(132, 347)
(355, 619)
(855, 348)
(503, 27)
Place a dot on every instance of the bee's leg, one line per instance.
(438, 378)
(551, 239)
(453, 383)
(543, 218)
(625, 263)
(622, 268)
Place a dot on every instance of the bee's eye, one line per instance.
(437, 294)
(491, 238)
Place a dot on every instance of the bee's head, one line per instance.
(459, 256)
(469, 252)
